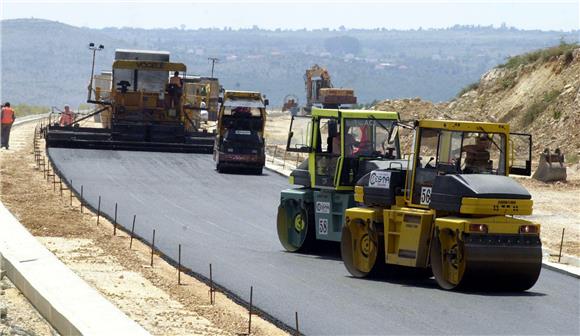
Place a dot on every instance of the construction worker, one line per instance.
(7, 118)
(67, 117)
(174, 89)
(203, 111)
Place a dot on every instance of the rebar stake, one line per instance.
(99, 211)
(211, 290)
(179, 265)
(132, 231)
(152, 247)
(297, 329)
(561, 244)
(250, 311)
(115, 221)
(71, 192)
(82, 199)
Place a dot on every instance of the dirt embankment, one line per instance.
(149, 295)
(539, 95)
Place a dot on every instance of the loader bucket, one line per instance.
(551, 167)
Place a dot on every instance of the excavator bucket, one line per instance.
(551, 167)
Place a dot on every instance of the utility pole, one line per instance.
(213, 60)
(94, 48)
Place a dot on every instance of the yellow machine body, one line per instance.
(458, 224)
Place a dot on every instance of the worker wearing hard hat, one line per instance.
(7, 119)
(67, 117)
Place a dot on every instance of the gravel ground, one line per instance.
(149, 295)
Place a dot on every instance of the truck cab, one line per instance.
(239, 143)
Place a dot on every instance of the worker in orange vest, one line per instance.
(67, 117)
(7, 119)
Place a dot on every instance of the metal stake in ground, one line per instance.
(250, 311)
(297, 329)
(179, 265)
(99, 211)
(71, 192)
(132, 231)
(152, 247)
(561, 244)
(82, 199)
(115, 222)
(211, 290)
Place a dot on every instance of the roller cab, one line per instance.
(449, 210)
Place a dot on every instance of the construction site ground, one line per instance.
(149, 295)
(556, 205)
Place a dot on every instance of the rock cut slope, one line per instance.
(537, 93)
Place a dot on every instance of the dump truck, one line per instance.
(321, 93)
(451, 209)
(239, 143)
(342, 146)
(143, 111)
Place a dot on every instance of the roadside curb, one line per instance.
(67, 302)
(560, 269)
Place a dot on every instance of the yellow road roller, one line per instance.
(452, 209)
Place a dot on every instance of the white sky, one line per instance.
(545, 15)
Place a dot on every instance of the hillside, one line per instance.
(537, 93)
(45, 62)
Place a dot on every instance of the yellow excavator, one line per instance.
(321, 93)
(449, 208)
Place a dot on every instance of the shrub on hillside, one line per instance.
(470, 87)
(563, 48)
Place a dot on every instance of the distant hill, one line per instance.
(47, 63)
(536, 93)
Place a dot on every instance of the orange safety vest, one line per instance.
(66, 119)
(7, 115)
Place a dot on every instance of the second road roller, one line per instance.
(451, 209)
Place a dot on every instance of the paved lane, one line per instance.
(229, 220)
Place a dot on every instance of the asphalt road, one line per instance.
(229, 221)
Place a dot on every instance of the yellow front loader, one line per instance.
(450, 210)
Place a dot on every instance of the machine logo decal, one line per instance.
(323, 207)
(380, 179)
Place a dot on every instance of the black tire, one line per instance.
(292, 239)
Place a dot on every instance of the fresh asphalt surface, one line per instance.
(230, 221)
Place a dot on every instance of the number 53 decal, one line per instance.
(323, 226)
